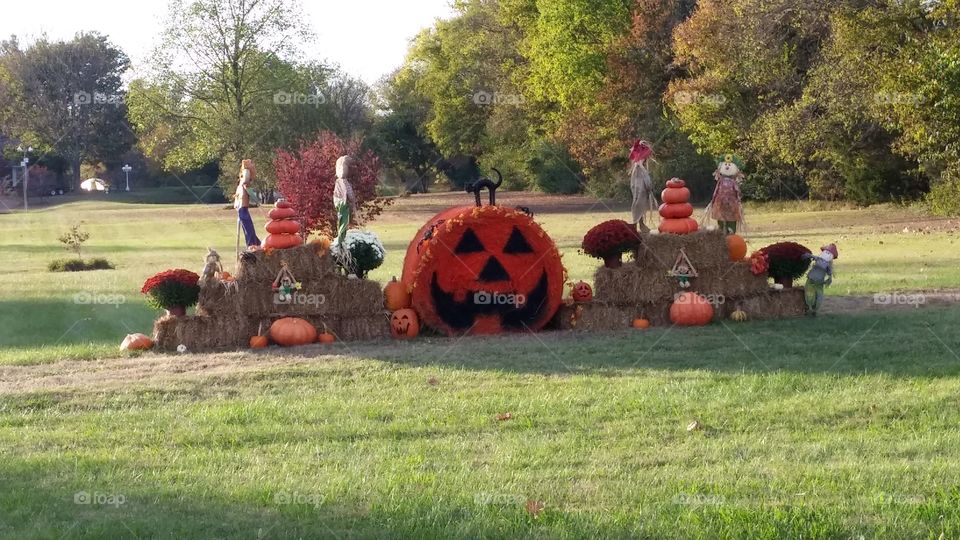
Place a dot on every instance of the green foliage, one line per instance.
(944, 196)
(79, 265)
(554, 170)
(73, 240)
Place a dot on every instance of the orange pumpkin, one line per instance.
(484, 271)
(281, 213)
(282, 227)
(282, 241)
(290, 331)
(676, 192)
(395, 295)
(737, 247)
(676, 210)
(678, 226)
(404, 324)
(226, 276)
(136, 342)
(283, 203)
(582, 292)
(641, 324)
(259, 342)
(691, 309)
(326, 337)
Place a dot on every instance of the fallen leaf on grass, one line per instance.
(694, 426)
(535, 507)
(504, 416)
(433, 381)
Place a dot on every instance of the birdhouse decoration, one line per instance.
(683, 270)
(285, 284)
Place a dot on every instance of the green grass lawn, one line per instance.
(842, 426)
(836, 427)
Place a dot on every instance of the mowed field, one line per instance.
(836, 427)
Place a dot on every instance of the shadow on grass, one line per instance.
(905, 343)
(83, 318)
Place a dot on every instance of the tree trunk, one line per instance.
(75, 173)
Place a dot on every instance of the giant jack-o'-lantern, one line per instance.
(484, 270)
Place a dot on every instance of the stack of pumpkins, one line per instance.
(676, 209)
(283, 227)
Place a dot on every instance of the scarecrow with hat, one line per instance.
(725, 206)
(820, 275)
(641, 186)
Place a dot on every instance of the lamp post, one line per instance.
(126, 169)
(26, 174)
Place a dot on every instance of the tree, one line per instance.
(306, 178)
(224, 82)
(66, 97)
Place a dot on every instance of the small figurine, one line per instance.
(285, 284)
(344, 200)
(641, 186)
(212, 269)
(241, 201)
(820, 275)
(683, 270)
(725, 206)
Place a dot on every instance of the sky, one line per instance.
(368, 38)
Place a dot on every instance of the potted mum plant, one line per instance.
(366, 251)
(173, 290)
(610, 240)
(786, 262)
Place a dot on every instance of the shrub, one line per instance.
(555, 171)
(172, 288)
(366, 250)
(786, 260)
(944, 196)
(610, 238)
(79, 265)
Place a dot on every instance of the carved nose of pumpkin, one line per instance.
(493, 271)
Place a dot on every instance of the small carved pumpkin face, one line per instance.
(404, 324)
(582, 292)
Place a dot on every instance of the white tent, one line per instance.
(93, 184)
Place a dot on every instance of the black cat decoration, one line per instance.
(478, 185)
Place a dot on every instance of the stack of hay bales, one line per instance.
(227, 316)
(643, 288)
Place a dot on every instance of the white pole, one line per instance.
(26, 183)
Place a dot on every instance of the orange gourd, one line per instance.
(404, 324)
(279, 213)
(691, 309)
(676, 210)
(282, 227)
(737, 247)
(290, 331)
(679, 226)
(136, 342)
(395, 295)
(675, 195)
(582, 292)
(641, 324)
(282, 241)
(258, 342)
(283, 203)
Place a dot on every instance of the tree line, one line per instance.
(853, 100)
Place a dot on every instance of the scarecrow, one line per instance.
(241, 201)
(725, 206)
(641, 186)
(344, 201)
(820, 275)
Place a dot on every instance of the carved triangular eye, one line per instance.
(517, 243)
(469, 243)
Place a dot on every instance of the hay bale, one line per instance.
(731, 279)
(333, 295)
(364, 327)
(767, 305)
(631, 285)
(304, 262)
(199, 333)
(217, 299)
(705, 249)
(354, 297)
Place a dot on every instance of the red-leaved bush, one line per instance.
(610, 238)
(306, 178)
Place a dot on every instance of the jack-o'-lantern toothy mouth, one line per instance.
(462, 315)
